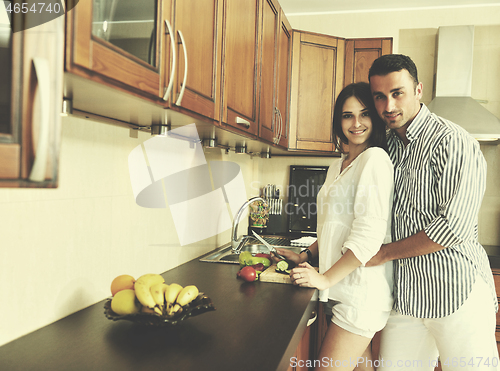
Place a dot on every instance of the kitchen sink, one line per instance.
(225, 255)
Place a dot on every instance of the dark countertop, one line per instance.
(256, 326)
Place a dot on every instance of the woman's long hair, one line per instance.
(361, 91)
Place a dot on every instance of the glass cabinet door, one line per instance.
(116, 42)
(127, 24)
(10, 124)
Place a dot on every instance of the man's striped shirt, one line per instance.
(440, 179)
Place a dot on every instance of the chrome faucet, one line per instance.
(238, 242)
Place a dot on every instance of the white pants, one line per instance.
(464, 340)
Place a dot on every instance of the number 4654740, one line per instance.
(34, 8)
(470, 362)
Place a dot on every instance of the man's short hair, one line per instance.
(393, 63)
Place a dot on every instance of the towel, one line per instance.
(303, 241)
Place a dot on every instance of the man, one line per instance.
(445, 300)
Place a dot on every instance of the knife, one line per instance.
(270, 247)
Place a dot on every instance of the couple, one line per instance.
(399, 250)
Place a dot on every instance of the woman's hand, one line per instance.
(306, 276)
(288, 255)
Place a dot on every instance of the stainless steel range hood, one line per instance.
(453, 99)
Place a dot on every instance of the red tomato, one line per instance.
(248, 273)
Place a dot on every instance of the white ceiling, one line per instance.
(292, 7)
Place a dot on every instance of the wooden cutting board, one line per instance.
(270, 275)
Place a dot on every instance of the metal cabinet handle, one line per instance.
(279, 125)
(275, 124)
(42, 72)
(174, 57)
(243, 122)
(183, 89)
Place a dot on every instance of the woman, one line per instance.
(354, 211)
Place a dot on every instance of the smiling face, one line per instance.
(397, 99)
(356, 123)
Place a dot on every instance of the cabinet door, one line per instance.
(283, 80)
(275, 75)
(117, 43)
(30, 103)
(318, 330)
(317, 71)
(359, 56)
(198, 22)
(240, 65)
(496, 277)
(302, 354)
(268, 119)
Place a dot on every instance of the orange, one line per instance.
(122, 282)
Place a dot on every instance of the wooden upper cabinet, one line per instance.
(268, 119)
(322, 66)
(283, 80)
(317, 78)
(275, 72)
(197, 34)
(234, 63)
(359, 56)
(117, 44)
(31, 102)
(240, 65)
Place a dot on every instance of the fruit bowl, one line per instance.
(200, 305)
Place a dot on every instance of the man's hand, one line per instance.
(378, 258)
(415, 245)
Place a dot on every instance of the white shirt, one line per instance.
(354, 212)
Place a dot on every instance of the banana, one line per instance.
(142, 289)
(176, 308)
(158, 294)
(171, 294)
(187, 295)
